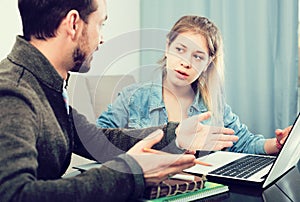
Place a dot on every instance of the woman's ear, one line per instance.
(167, 47)
(210, 60)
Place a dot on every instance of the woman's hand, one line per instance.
(192, 135)
(281, 136)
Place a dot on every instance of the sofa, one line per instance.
(91, 94)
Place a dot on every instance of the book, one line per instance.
(87, 166)
(180, 183)
(180, 187)
(210, 189)
(182, 190)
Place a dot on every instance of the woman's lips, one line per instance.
(181, 75)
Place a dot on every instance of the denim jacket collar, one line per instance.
(156, 102)
(198, 103)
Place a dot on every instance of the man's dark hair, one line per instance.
(41, 18)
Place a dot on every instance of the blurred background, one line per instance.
(260, 40)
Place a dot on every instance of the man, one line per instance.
(38, 133)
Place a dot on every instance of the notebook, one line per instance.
(187, 189)
(219, 191)
(264, 175)
(177, 184)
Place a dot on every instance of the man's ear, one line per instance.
(73, 24)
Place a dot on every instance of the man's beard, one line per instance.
(81, 61)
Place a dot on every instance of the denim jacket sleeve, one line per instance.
(248, 142)
(137, 106)
(116, 115)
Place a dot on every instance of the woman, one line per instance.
(191, 83)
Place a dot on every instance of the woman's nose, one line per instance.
(184, 63)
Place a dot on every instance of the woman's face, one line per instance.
(187, 57)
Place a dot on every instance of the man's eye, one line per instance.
(101, 26)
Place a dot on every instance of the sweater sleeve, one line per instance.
(20, 161)
(103, 143)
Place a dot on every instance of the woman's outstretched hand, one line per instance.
(192, 135)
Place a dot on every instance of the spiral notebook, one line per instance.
(178, 188)
(183, 187)
(219, 191)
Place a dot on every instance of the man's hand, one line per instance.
(158, 166)
(192, 135)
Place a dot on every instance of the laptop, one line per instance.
(230, 166)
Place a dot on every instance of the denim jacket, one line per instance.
(141, 105)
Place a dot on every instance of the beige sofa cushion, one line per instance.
(103, 90)
(91, 95)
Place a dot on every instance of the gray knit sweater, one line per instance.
(37, 138)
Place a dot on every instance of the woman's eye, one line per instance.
(179, 49)
(197, 57)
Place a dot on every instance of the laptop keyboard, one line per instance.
(244, 167)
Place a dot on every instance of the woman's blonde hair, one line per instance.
(210, 83)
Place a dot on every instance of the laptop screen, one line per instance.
(289, 155)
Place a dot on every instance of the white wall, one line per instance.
(10, 24)
(121, 40)
(123, 18)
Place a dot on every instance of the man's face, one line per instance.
(90, 38)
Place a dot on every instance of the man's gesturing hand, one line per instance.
(158, 166)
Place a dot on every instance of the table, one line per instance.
(287, 188)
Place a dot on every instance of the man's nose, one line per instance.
(101, 41)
